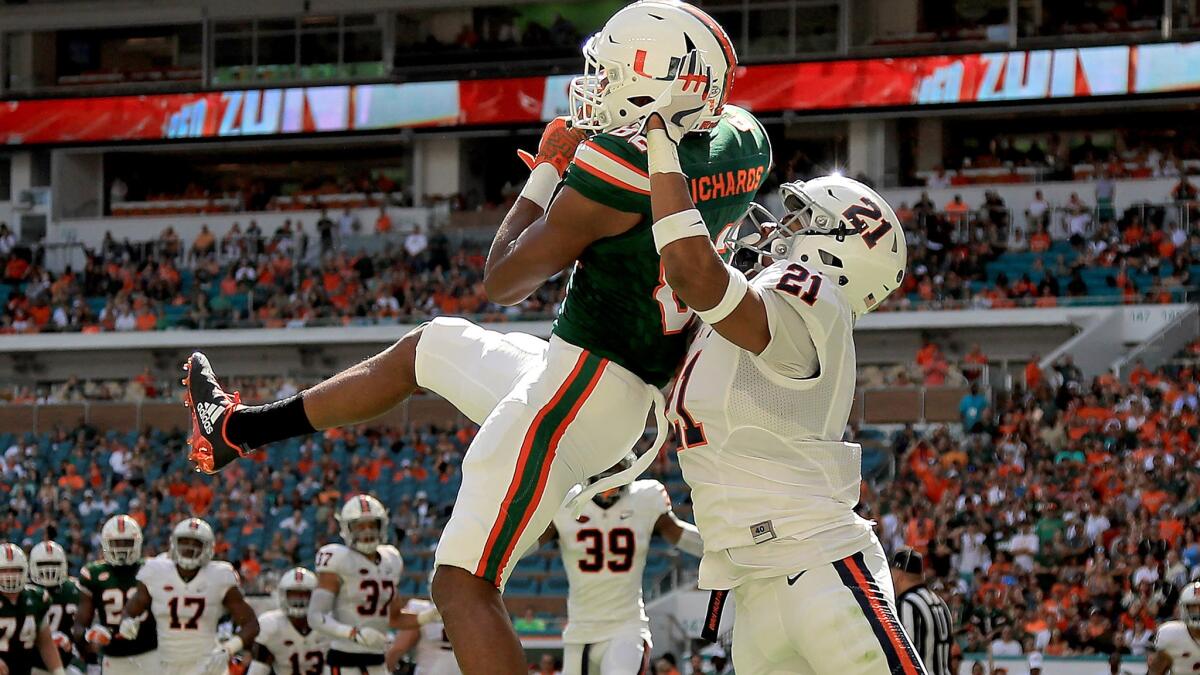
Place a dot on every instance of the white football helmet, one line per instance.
(47, 564)
(356, 519)
(631, 62)
(1189, 605)
(192, 544)
(836, 226)
(121, 540)
(295, 590)
(14, 568)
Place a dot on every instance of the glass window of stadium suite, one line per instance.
(309, 48)
(158, 57)
(776, 29)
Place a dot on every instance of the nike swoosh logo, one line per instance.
(792, 580)
(677, 118)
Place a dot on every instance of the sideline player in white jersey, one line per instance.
(285, 642)
(186, 592)
(761, 406)
(432, 652)
(355, 602)
(1177, 643)
(604, 552)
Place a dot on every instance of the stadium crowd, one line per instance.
(1061, 519)
(961, 256)
(1057, 519)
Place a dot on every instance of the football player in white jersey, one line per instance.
(1177, 643)
(187, 592)
(761, 406)
(355, 602)
(432, 652)
(285, 642)
(604, 552)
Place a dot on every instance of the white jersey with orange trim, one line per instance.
(292, 652)
(1174, 638)
(604, 552)
(760, 436)
(186, 613)
(433, 653)
(368, 587)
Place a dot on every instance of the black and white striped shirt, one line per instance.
(927, 621)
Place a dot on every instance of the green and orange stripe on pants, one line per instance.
(534, 462)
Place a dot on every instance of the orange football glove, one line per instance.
(557, 146)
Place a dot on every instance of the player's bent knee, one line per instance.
(453, 587)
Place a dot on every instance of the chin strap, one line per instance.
(578, 500)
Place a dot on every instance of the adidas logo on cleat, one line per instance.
(209, 413)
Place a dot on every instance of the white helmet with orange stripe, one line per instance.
(363, 521)
(192, 543)
(48, 564)
(14, 568)
(295, 590)
(121, 540)
(632, 61)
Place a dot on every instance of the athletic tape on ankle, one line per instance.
(678, 226)
(539, 189)
(734, 292)
(661, 154)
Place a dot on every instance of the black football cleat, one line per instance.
(210, 407)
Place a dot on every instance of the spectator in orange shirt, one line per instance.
(70, 479)
(976, 362)
(1140, 374)
(927, 353)
(1040, 241)
(383, 224)
(956, 210)
(1033, 373)
(199, 497)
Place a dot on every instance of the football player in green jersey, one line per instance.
(25, 636)
(105, 586)
(552, 413)
(48, 570)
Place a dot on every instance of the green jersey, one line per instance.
(617, 305)
(110, 587)
(60, 617)
(20, 621)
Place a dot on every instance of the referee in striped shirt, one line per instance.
(925, 616)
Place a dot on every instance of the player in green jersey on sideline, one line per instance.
(552, 413)
(48, 571)
(25, 636)
(105, 586)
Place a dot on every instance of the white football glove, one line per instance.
(98, 635)
(216, 662)
(686, 100)
(128, 628)
(370, 638)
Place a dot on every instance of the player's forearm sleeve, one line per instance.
(258, 668)
(320, 616)
(690, 541)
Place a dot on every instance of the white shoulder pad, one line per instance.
(222, 574)
(389, 554)
(807, 315)
(332, 558)
(1170, 634)
(268, 625)
(154, 569)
